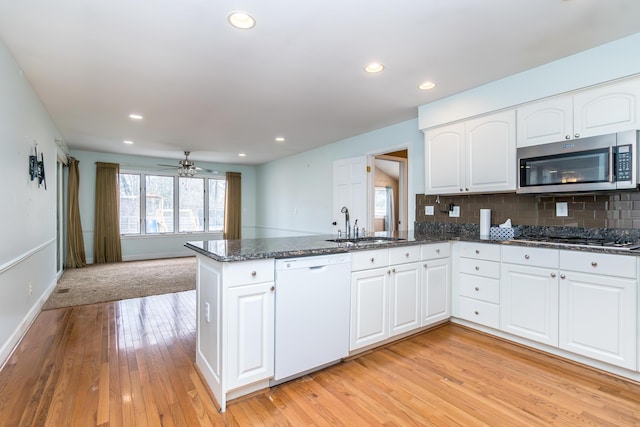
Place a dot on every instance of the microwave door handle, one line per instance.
(611, 163)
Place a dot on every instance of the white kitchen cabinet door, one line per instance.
(250, 334)
(369, 307)
(545, 121)
(350, 190)
(529, 302)
(610, 108)
(598, 317)
(491, 153)
(404, 298)
(444, 159)
(436, 291)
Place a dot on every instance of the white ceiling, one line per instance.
(217, 91)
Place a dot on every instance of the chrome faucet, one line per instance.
(347, 225)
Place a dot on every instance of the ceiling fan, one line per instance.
(188, 168)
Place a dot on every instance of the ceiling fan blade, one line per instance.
(170, 166)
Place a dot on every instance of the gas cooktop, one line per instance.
(621, 243)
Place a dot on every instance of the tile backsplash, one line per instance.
(606, 210)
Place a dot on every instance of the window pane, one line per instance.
(191, 198)
(216, 204)
(159, 203)
(381, 202)
(129, 203)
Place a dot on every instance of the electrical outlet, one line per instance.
(429, 210)
(562, 209)
(454, 212)
(207, 312)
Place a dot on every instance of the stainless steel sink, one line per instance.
(365, 240)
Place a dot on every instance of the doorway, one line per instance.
(389, 194)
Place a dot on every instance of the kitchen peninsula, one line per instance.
(542, 295)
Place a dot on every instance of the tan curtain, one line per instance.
(75, 242)
(106, 240)
(233, 206)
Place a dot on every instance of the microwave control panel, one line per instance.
(623, 163)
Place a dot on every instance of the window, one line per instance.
(380, 202)
(159, 204)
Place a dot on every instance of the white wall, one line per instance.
(303, 183)
(603, 63)
(148, 247)
(27, 228)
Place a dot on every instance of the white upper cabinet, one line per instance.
(605, 109)
(476, 156)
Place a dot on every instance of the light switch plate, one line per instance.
(429, 210)
(562, 209)
(455, 212)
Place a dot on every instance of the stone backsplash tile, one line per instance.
(612, 210)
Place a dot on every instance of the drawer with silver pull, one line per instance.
(487, 251)
(478, 287)
(436, 250)
(248, 272)
(480, 267)
(597, 263)
(364, 260)
(404, 254)
(538, 257)
(484, 313)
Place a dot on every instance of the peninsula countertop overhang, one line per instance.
(301, 246)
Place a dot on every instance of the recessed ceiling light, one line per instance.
(241, 20)
(279, 139)
(374, 67)
(135, 117)
(242, 155)
(427, 85)
(128, 142)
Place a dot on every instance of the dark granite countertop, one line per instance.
(300, 246)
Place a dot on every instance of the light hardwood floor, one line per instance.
(130, 363)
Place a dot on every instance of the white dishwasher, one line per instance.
(312, 314)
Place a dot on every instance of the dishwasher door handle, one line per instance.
(316, 268)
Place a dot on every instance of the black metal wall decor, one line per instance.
(36, 168)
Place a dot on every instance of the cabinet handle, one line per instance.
(477, 251)
(461, 189)
(476, 312)
(407, 254)
(476, 288)
(594, 264)
(253, 274)
(553, 274)
(466, 189)
(562, 276)
(273, 288)
(424, 265)
(477, 268)
(567, 137)
(437, 251)
(372, 259)
(577, 135)
(526, 257)
(393, 270)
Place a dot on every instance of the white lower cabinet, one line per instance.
(436, 283)
(386, 299)
(235, 326)
(529, 293)
(529, 302)
(598, 311)
(251, 333)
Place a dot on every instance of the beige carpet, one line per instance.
(133, 279)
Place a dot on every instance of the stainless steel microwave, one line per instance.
(605, 162)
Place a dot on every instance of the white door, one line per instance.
(435, 291)
(491, 153)
(529, 302)
(598, 317)
(350, 191)
(251, 334)
(545, 121)
(444, 159)
(369, 307)
(404, 298)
